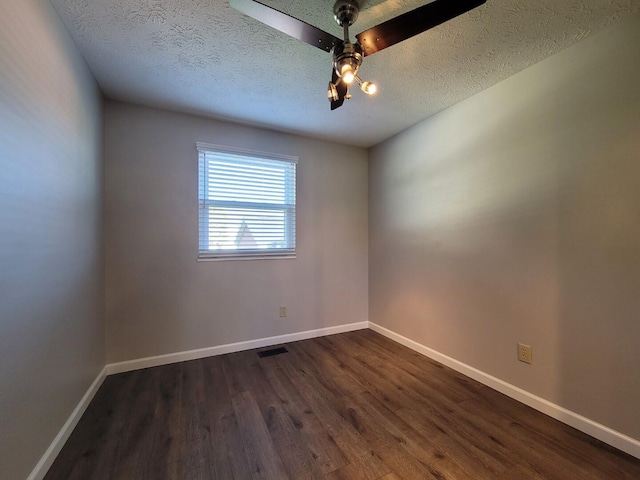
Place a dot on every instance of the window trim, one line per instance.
(248, 254)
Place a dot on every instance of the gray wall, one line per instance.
(51, 328)
(514, 216)
(160, 300)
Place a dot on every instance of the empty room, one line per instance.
(353, 239)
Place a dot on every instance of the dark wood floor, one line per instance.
(349, 406)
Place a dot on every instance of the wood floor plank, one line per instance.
(521, 473)
(229, 458)
(264, 461)
(443, 422)
(460, 438)
(193, 446)
(320, 444)
(367, 466)
(455, 430)
(388, 445)
(390, 476)
(436, 377)
(576, 447)
(429, 455)
(137, 424)
(532, 450)
(318, 398)
(350, 406)
(285, 426)
(318, 393)
(314, 362)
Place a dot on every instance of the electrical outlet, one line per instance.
(525, 353)
(283, 311)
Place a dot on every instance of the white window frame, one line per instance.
(289, 206)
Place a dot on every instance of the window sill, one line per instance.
(222, 258)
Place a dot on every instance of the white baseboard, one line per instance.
(120, 367)
(56, 445)
(597, 430)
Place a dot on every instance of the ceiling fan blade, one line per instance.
(412, 23)
(341, 87)
(286, 23)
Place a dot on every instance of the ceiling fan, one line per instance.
(348, 56)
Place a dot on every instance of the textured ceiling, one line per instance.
(202, 56)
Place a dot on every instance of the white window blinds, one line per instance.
(247, 203)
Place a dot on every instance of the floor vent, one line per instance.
(273, 351)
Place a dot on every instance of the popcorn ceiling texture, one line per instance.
(204, 57)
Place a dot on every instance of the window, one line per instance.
(247, 203)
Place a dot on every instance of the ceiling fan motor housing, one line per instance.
(346, 12)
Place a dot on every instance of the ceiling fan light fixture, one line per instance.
(347, 58)
(332, 92)
(347, 73)
(369, 88)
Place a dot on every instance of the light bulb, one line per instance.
(347, 74)
(369, 88)
(332, 92)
